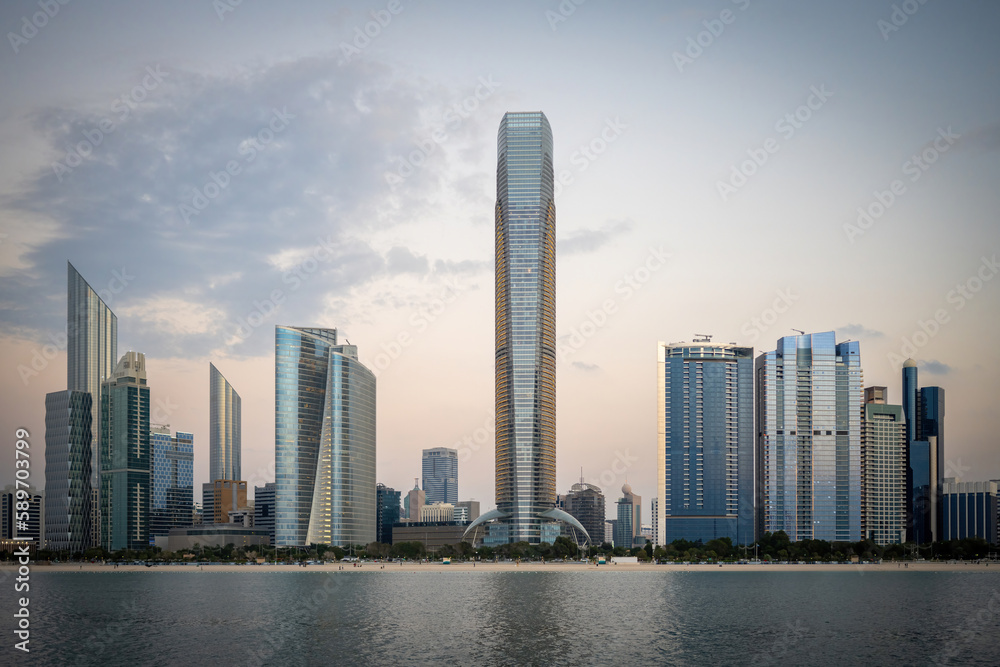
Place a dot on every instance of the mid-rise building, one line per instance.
(924, 492)
(68, 457)
(467, 510)
(609, 531)
(585, 502)
(654, 508)
(705, 462)
(324, 440)
(629, 523)
(437, 512)
(809, 393)
(91, 356)
(440, 474)
(415, 499)
(883, 445)
(970, 510)
(263, 508)
(228, 495)
(125, 456)
(173, 482)
(388, 512)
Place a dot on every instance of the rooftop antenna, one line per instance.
(702, 338)
(581, 474)
(801, 332)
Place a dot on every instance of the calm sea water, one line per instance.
(519, 618)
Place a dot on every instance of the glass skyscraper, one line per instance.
(224, 428)
(68, 457)
(924, 412)
(91, 355)
(125, 456)
(809, 394)
(525, 344)
(440, 474)
(173, 481)
(324, 440)
(705, 465)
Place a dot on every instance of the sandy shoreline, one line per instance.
(512, 567)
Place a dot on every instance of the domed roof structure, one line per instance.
(626, 488)
(909, 363)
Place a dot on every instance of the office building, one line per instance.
(228, 496)
(654, 508)
(324, 440)
(387, 501)
(440, 474)
(224, 428)
(437, 512)
(585, 502)
(629, 523)
(415, 499)
(969, 510)
(923, 409)
(809, 393)
(217, 535)
(432, 534)
(173, 482)
(91, 357)
(884, 455)
(68, 457)
(263, 508)
(22, 524)
(609, 531)
(125, 456)
(466, 510)
(525, 327)
(924, 492)
(705, 458)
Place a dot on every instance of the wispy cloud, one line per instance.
(589, 240)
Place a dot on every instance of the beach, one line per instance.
(490, 566)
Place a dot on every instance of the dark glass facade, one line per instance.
(923, 527)
(324, 440)
(439, 466)
(173, 482)
(525, 324)
(263, 508)
(68, 457)
(388, 512)
(586, 503)
(706, 446)
(125, 456)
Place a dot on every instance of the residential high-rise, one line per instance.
(68, 457)
(969, 510)
(585, 502)
(91, 356)
(173, 482)
(525, 326)
(884, 454)
(440, 474)
(125, 456)
(705, 461)
(224, 428)
(324, 440)
(263, 508)
(629, 518)
(388, 512)
(809, 394)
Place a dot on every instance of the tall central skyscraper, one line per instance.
(91, 356)
(525, 348)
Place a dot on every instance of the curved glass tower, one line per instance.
(324, 440)
(224, 435)
(525, 323)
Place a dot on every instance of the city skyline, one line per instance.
(352, 215)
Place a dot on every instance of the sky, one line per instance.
(737, 168)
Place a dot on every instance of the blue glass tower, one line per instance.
(440, 475)
(809, 397)
(705, 462)
(173, 481)
(324, 440)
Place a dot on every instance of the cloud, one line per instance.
(228, 197)
(935, 367)
(584, 366)
(589, 240)
(858, 331)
